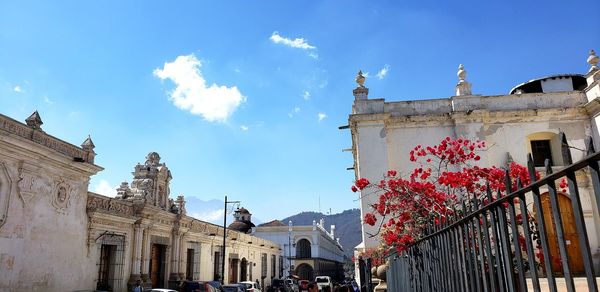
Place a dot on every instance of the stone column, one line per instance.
(176, 239)
(146, 247)
(137, 254)
(183, 246)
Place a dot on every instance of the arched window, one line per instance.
(303, 249)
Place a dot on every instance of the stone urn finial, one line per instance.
(462, 73)
(463, 87)
(593, 61)
(360, 79)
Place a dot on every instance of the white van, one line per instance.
(324, 281)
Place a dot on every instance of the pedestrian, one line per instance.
(138, 286)
(312, 287)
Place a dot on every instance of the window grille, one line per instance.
(110, 262)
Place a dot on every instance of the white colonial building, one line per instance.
(57, 236)
(526, 120)
(308, 251)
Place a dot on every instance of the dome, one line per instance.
(241, 226)
(553, 83)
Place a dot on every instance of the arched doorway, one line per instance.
(570, 233)
(303, 249)
(243, 270)
(305, 272)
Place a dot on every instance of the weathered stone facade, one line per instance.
(384, 133)
(57, 236)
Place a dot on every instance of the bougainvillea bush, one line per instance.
(445, 176)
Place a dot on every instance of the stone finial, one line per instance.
(123, 191)
(360, 79)
(34, 121)
(152, 159)
(88, 144)
(360, 92)
(463, 87)
(181, 204)
(593, 61)
(462, 73)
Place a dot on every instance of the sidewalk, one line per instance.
(580, 284)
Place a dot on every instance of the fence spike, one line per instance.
(589, 143)
(564, 148)
(531, 168)
(548, 167)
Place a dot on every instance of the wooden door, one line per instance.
(570, 233)
(233, 270)
(156, 267)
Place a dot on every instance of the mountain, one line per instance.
(347, 226)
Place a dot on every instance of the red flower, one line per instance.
(362, 183)
(391, 173)
(370, 219)
(354, 189)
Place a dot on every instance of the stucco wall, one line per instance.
(43, 242)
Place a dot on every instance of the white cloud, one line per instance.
(214, 103)
(306, 95)
(17, 89)
(236, 70)
(384, 71)
(294, 112)
(322, 116)
(210, 216)
(299, 43)
(244, 127)
(104, 188)
(47, 100)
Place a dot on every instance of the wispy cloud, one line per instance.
(104, 188)
(209, 216)
(294, 112)
(18, 89)
(306, 95)
(244, 127)
(298, 43)
(384, 71)
(322, 116)
(47, 100)
(215, 103)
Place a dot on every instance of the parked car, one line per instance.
(292, 284)
(250, 286)
(233, 288)
(324, 283)
(303, 285)
(191, 286)
(210, 286)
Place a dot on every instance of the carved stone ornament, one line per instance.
(5, 189)
(61, 195)
(30, 185)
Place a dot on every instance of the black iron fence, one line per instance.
(537, 233)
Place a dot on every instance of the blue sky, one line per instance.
(244, 98)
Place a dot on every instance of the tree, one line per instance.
(445, 177)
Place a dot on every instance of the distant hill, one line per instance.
(347, 226)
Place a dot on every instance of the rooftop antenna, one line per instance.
(319, 203)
